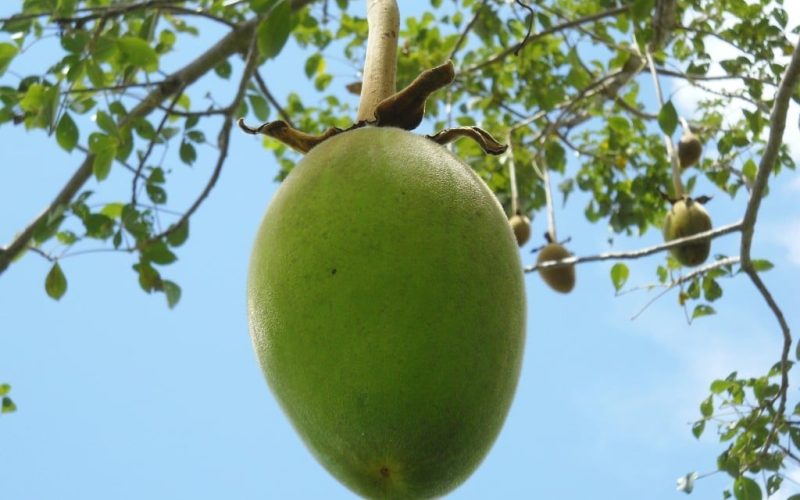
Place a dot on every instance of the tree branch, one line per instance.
(637, 254)
(229, 44)
(780, 108)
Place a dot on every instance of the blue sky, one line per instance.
(121, 398)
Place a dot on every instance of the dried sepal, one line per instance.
(406, 108)
(289, 135)
(488, 143)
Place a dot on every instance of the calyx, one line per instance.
(404, 109)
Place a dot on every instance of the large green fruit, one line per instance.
(687, 217)
(387, 308)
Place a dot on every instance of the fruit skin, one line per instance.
(521, 226)
(387, 309)
(688, 217)
(689, 149)
(560, 279)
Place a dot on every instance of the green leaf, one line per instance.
(762, 265)
(259, 106)
(158, 253)
(106, 123)
(745, 488)
(223, 69)
(619, 275)
(642, 9)
(8, 405)
(314, 64)
(718, 386)
(275, 29)
(56, 283)
(157, 194)
(67, 133)
(668, 118)
(139, 53)
(173, 293)
(4, 389)
(187, 153)
(105, 149)
(149, 278)
(178, 236)
(261, 5)
(702, 310)
(698, 428)
(113, 210)
(7, 53)
(707, 407)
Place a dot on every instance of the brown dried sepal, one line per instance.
(406, 108)
(289, 135)
(488, 143)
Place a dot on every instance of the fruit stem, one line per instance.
(671, 152)
(684, 124)
(512, 172)
(380, 63)
(548, 197)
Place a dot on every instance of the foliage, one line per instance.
(112, 94)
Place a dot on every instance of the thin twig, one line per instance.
(554, 29)
(463, 37)
(728, 261)
(223, 139)
(152, 145)
(530, 26)
(262, 86)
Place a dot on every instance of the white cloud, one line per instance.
(709, 349)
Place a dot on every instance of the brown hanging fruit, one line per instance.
(521, 226)
(689, 149)
(688, 217)
(560, 279)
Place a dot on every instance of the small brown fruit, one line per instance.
(560, 279)
(687, 217)
(521, 226)
(689, 149)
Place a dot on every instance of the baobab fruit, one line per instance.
(521, 226)
(560, 279)
(689, 149)
(688, 217)
(387, 308)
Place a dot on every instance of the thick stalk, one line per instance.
(380, 64)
